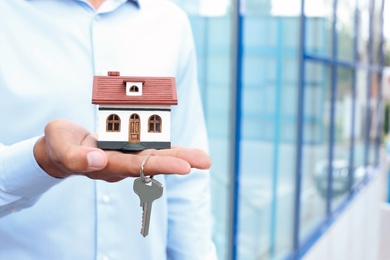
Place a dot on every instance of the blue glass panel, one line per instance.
(315, 147)
(346, 29)
(375, 117)
(343, 134)
(360, 119)
(267, 159)
(363, 30)
(214, 53)
(269, 114)
(318, 36)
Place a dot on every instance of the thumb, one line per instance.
(68, 148)
(96, 159)
(79, 159)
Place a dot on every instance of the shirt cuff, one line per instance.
(20, 173)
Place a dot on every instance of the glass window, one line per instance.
(343, 134)
(316, 146)
(154, 124)
(319, 27)
(134, 89)
(363, 30)
(374, 121)
(345, 28)
(267, 159)
(270, 94)
(377, 31)
(360, 121)
(113, 123)
(215, 59)
(211, 24)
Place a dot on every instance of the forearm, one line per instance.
(22, 181)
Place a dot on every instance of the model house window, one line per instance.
(113, 123)
(155, 124)
(133, 88)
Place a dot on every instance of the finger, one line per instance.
(195, 157)
(125, 165)
(171, 161)
(104, 177)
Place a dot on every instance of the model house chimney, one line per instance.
(113, 73)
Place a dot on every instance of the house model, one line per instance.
(133, 112)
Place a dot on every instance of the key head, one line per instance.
(148, 192)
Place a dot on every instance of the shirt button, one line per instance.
(97, 17)
(105, 258)
(106, 199)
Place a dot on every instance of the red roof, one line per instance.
(155, 90)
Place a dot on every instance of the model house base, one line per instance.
(129, 147)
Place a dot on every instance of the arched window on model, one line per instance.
(113, 123)
(134, 88)
(154, 124)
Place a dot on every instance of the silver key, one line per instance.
(147, 192)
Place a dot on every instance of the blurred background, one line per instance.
(296, 103)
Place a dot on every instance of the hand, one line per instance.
(69, 149)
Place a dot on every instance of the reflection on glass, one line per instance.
(363, 30)
(211, 25)
(365, 153)
(360, 121)
(375, 114)
(269, 114)
(377, 31)
(214, 58)
(256, 7)
(267, 162)
(346, 29)
(315, 147)
(343, 133)
(319, 28)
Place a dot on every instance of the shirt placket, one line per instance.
(105, 197)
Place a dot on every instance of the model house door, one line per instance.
(134, 131)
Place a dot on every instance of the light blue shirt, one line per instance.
(50, 51)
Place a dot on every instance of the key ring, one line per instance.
(141, 172)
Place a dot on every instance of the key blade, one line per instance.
(145, 219)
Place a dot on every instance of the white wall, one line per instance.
(123, 135)
(356, 232)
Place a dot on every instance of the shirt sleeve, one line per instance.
(189, 214)
(22, 180)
